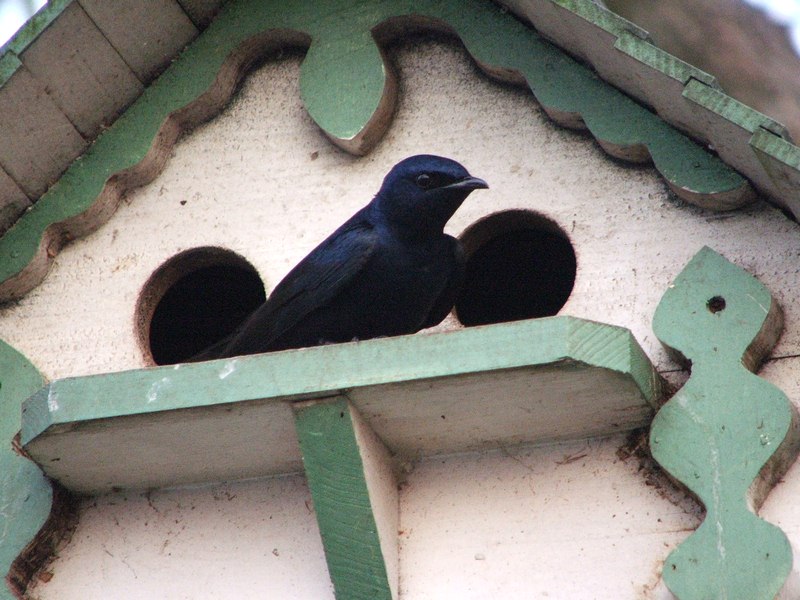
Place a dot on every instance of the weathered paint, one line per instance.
(33, 28)
(245, 540)
(147, 36)
(727, 435)
(82, 72)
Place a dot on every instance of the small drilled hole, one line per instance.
(716, 304)
(520, 265)
(194, 299)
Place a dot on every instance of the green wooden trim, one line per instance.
(602, 17)
(778, 149)
(9, 64)
(727, 435)
(345, 89)
(658, 59)
(335, 472)
(779, 158)
(70, 422)
(128, 416)
(27, 34)
(26, 496)
(562, 84)
(624, 56)
(731, 109)
(327, 370)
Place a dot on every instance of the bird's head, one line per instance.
(422, 192)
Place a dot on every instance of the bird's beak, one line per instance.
(468, 183)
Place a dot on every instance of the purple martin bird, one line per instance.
(388, 270)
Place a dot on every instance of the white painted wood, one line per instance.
(563, 522)
(527, 405)
(246, 188)
(173, 448)
(161, 30)
(249, 540)
(30, 121)
(383, 496)
(84, 74)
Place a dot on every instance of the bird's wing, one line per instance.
(310, 285)
(451, 289)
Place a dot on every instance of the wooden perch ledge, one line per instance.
(524, 382)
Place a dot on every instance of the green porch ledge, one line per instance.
(523, 382)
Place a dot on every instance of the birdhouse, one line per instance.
(608, 411)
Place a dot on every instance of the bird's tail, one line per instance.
(214, 351)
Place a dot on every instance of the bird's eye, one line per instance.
(424, 181)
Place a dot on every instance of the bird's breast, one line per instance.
(404, 283)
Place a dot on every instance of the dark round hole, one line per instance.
(195, 299)
(520, 265)
(716, 304)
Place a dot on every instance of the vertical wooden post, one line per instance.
(355, 498)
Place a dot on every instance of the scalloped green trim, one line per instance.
(347, 89)
(624, 55)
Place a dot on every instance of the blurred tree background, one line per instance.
(751, 55)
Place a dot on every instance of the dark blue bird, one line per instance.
(388, 270)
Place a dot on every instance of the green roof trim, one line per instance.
(778, 148)
(730, 108)
(655, 57)
(682, 95)
(9, 64)
(349, 90)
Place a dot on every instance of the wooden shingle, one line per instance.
(147, 35)
(82, 72)
(39, 142)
